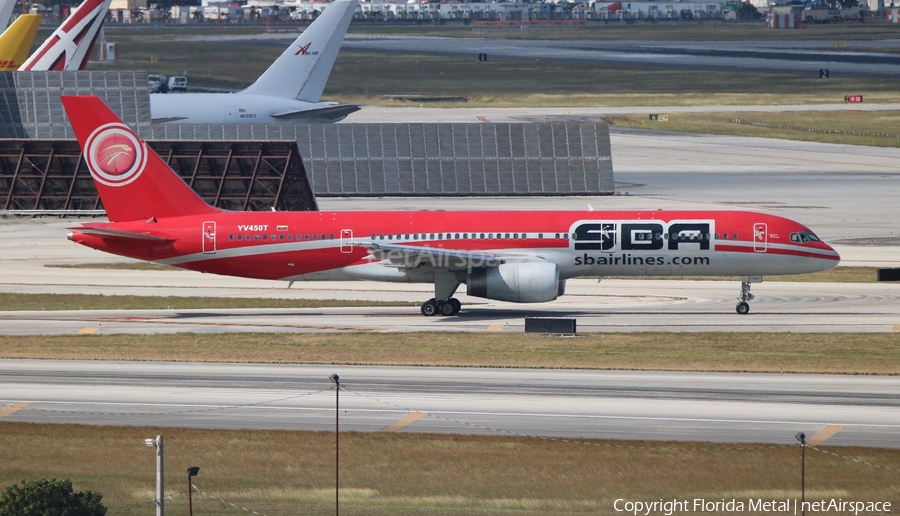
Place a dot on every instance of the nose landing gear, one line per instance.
(743, 306)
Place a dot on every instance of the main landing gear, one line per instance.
(434, 307)
(743, 306)
(445, 285)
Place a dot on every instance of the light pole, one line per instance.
(800, 436)
(192, 472)
(160, 488)
(337, 436)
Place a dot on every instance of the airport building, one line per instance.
(285, 166)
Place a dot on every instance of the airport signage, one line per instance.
(853, 98)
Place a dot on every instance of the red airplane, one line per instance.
(517, 256)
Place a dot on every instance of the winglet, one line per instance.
(16, 41)
(134, 183)
(70, 46)
(303, 69)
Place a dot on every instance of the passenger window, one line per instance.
(432, 236)
(280, 238)
(290, 237)
(305, 237)
(239, 238)
(315, 236)
(507, 236)
(256, 237)
(482, 236)
(230, 237)
(265, 237)
(725, 236)
(734, 236)
(565, 236)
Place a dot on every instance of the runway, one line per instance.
(555, 403)
(611, 306)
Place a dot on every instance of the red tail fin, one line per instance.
(133, 181)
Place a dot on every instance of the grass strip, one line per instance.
(19, 302)
(828, 126)
(281, 472)
(838, 353)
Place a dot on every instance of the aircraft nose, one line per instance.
(832, 259)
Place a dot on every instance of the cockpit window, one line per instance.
(804, 237)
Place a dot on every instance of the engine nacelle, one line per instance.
(518, 282)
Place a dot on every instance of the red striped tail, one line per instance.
(134, 183)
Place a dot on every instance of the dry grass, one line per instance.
(277, 472)
(869, 353)
(871, 123)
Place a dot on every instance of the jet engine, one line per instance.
(518, 282)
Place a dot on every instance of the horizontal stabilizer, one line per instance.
(329, 113)
(114, 233)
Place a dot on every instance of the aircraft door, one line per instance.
(760, 237)
(346, 240)
(209, 237)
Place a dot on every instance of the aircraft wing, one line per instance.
(331, 113)
(414, 257)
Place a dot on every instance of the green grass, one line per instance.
(279, 472)
(17, 302)
(840, 353)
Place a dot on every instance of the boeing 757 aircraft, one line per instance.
(516, 256)
(288, 92)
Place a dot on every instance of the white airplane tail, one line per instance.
(302, 70)
(70, 46)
